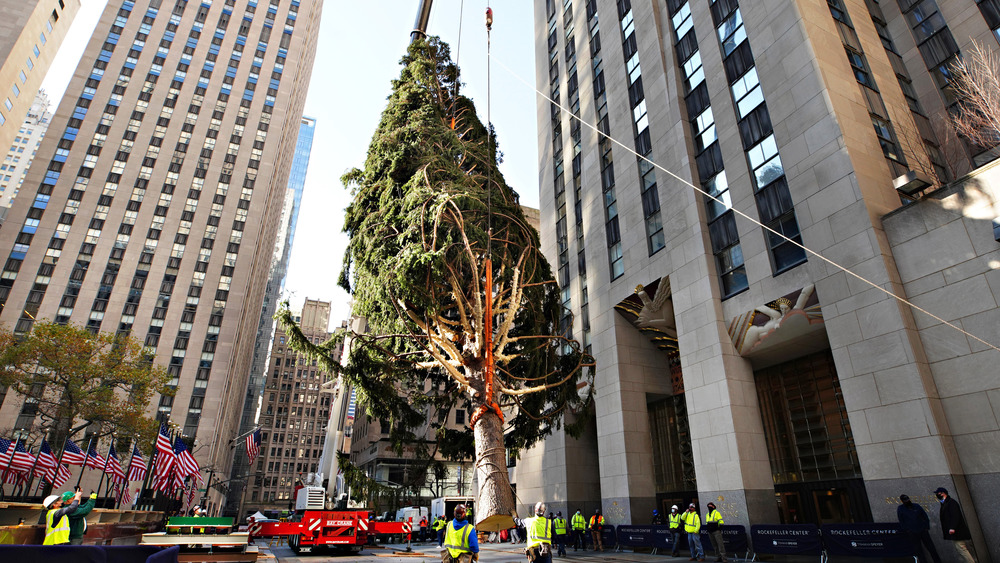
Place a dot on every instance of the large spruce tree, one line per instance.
(440, 257)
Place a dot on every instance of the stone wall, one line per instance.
(949, 264)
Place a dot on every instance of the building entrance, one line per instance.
(817, 476)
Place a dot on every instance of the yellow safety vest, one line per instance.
(675, 520)
(58, 534)
(714, 516)
(692, 522)
(539, 531)
(579, 523)
(560, 526)
(439, 525)
(457, 541)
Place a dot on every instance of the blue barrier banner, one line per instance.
(608, 535)
(734, 536)
(867, 540)
(637, 536)
(788, 539)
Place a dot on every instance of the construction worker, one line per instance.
(658, 519)
(713, 523)
(596, 526)
(539, 528)
(559, 526)
(579, 524)
(78, 519)
(439, 525)
(674, 521)
(460, 538)
(56, 521)
(692, 526)
(423, 528)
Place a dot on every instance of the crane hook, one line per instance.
(489, 19)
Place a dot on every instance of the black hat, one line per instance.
(904, 498)
(941, 490)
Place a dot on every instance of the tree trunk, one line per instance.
(495, 503)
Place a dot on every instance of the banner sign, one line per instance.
(663, 539)
(789, 539)
(867, 540)
(734, 536)
(638, 536)
(608, 535)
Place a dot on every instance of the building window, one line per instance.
(459, 416)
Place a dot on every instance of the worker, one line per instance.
(713, 523)
(56, 521)
(692, 526)
(460, 538)
(596, 527)
(559, 527)
(674, 521)
(579, 524)
(78, 519)
(658, 519)
(423, 528)
(539, 548)
(439, 525)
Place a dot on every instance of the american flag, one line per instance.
(22, 459)
(352, 405)
(46, 461)
(72, 454)
(136, 467)
(61, 476)
(121, 491)
(94, 459)
(6, 451)
(165, 457)
(253, 445)
(114, 469)
(186, 463)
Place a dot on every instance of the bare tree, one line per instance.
(976, 84)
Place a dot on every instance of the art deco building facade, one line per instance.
(22, 150)
(154, 201)
(275, 285)
(30, 34)
(293, 415)
(732, 365)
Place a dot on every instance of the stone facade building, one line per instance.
(293, 415)
(680, 137)
(154, 201)
(22, 151)
(31, 32)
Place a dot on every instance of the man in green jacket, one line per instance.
(78, 520)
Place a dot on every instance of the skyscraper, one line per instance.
(162, 180)
(30, 34)
(293, 415)
(732, 364)
(22, 150)
(275, 285)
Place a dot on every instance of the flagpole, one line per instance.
(31, 474)
(3, 476)
(85, 459)
(104, 471)
(128, 470)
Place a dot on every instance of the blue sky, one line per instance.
(359, 49)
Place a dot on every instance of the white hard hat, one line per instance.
(539, 508)
(674, 507)
(49, 500)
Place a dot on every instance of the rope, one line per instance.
(740, 213)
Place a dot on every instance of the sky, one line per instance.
(360, 45)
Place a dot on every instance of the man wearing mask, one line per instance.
(559, 527)
(713, 523)
(674, 521)
(913, 522)
(579, 526)
(596, 527)
(954, 527)
(692, 526)
(460, 541)
(657, 519)
(539, 528)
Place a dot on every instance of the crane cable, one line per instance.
(489, 404)
(770, 230)
(458, 55)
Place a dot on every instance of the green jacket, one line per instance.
(78, 519)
